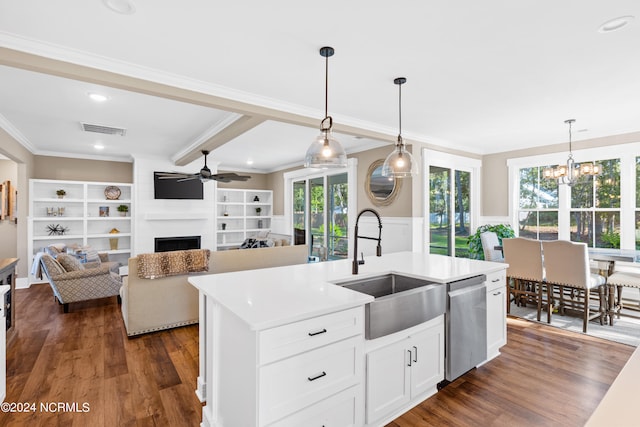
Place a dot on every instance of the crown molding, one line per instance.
(16, 134)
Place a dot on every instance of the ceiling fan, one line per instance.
(204, 175)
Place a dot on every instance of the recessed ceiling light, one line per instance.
(615, 24)
(98, 146)
(249, 162)
(125, 7)
(98, 97)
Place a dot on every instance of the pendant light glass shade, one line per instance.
(326, 151)
(400, 163)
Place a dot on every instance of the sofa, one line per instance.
(150, 305)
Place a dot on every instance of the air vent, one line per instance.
(107, 130)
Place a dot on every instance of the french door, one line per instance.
(451, 203)
(320, 218)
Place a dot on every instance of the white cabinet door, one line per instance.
(388, 379)
(427, 363)
(496, 313)
(3, 345)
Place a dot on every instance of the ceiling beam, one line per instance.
(235, 129)
(28, 61)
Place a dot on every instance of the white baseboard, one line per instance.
(22, 283)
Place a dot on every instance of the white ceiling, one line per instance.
(483, 77)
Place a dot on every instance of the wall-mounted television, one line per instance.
(175, 189)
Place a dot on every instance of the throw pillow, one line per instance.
(69, 262)
(92, 254)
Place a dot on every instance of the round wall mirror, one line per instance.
(382, 190)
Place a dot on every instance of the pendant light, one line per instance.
(568, 174)
(400, 163)
(326, 152)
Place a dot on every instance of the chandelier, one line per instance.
(569, 173)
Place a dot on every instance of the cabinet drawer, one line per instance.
(303, 380)
(340, 410)
(288, 340)
(496, 280)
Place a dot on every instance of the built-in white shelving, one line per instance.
(85, 213)
(237, 210)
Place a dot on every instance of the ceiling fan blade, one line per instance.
(228, 177)
(172, 175)
(188, 178)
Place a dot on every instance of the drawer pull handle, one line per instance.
(317, 376)
(496, 280)
(313, 334)
(497, 293)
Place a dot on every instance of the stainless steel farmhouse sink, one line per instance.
(400, 302)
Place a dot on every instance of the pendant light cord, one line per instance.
(570, 150)
(326, 86)
(399, 109)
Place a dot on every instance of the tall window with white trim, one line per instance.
(538, 205)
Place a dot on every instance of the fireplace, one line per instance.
(167, 244)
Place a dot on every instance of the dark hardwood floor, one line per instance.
(85, 357)
(543, 377)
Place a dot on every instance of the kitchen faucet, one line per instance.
(356, 263)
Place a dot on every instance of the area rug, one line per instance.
(625, 330)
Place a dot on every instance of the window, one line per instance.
(601, 211)
(637, 205)
(595, 207)
(318, 207)
(538, 205)
(451, 207)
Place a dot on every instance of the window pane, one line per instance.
(462, 205)
(548, 225)
(299, 196)
(608, 230)
(316, 212)
(608, 184)
(582, 193)
(337, 236)
(637, 230)
(439, 217)
(637, 182)
(528, 187)
(548, 191)
(528, 224)
(581, 229)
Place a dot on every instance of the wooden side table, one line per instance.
(8, 277)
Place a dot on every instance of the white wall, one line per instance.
(169, 218)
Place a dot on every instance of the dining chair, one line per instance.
(525, 274)
(567, 268)
(489, 240)
(625, 274)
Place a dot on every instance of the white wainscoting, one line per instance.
(397, 234)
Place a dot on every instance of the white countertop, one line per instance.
(272, 297)
(617, 408)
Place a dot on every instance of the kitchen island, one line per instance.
(285, 345)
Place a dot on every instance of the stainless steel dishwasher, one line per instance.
(466, 326)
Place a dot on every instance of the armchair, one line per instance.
(72, 282)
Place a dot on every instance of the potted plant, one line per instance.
(61, 193)
(258, 210)
(475, 244)
(123, 209)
